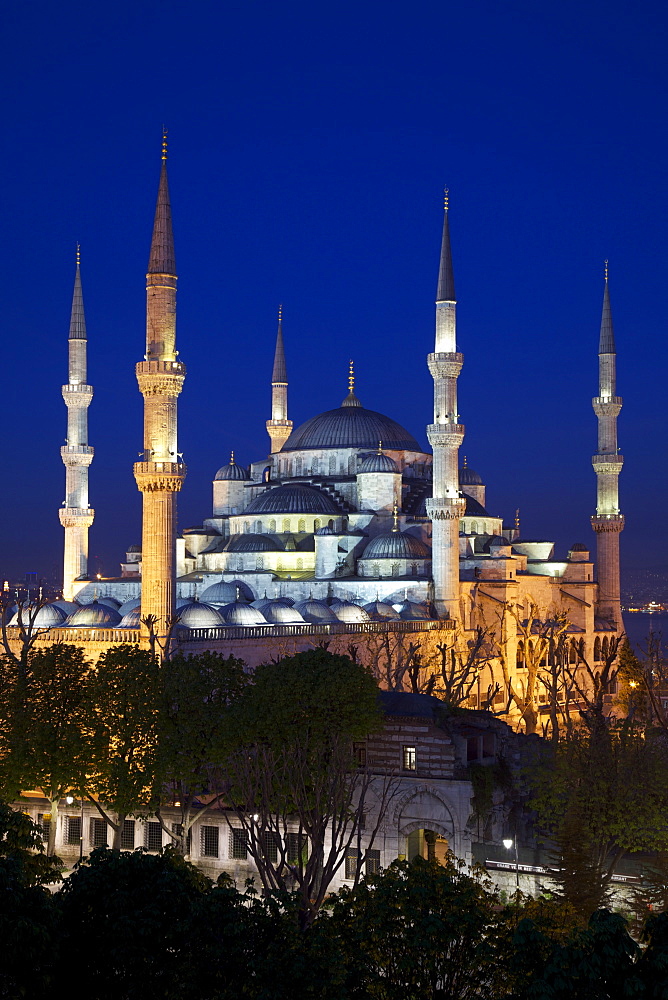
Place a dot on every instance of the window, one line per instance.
(152, 836)
(209, 841)
(97, 833)
(409, 759)
(597, 649)
(238, 845)
(332, 465)
(177, 828)
(246, 527)
(44, 823)
(360, 754)
(317, 524)
(272, 527)
(259, 562)
(352, 862)
(296, 848)
(286, 524)
(300, 564)
(128, 835)
(395, 569)
(74, 829)
(269, 846)
(472, 748)
(488, 745)
(372, 862)
(302, 525)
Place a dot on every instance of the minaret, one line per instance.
(160, 473)
(445, 436)
(76, 516)
(607, 462)
(279, 427)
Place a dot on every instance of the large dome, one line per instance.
(350, 427)
(295, 498)
(396, 545)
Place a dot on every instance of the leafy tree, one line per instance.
(293, 780)
(420, 930)
(124, 699)
(600, 795)
(195, 697)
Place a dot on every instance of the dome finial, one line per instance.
(465, 466)
(351, 376)
(78, 255)
(164, 143)
(446, 194)
(517, 519)
(395, 517)
(232, 457)
(280, 313)
(605, 270)
(380, 447)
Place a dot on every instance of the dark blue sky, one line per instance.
(309, 145)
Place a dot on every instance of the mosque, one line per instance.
(347, 525)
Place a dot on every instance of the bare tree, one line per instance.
(592, 684)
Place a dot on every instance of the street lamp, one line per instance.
(508, 843)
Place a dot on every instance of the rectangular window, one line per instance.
(128, 835)
(152, 836)
(360, 754)
(74, 830)
(472, 752)
(270, 846)
(238, 845)
(44, 823)
(296, 848)
(409, 759)
(352, 862)
(372, 862)
(97, 833)
(488, 745)
(177, 828)
(209, 841)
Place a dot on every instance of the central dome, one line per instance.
(351, 427)
(296, 498)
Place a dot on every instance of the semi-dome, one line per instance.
(196, 614)
(252, 543)
(396, 545)
(219, 593)
(280, 614)
(94, 614)
(315, 612)
(242, 614)
(293, 498)
(378, 462)
(130, 605)
(48, 616)
(131, 618)
(350, 427)
(232, 471)
(410, 611)
(379, 610)
(111, 602)
(351, 614)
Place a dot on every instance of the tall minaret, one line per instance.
(160, 474)
(607, 462)
(445, 436)
(76, 516)
(279, 427)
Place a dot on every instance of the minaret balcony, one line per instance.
(607, 522)
(445, 508)
(160, 378)
(77, 454)
(445, 435)
(76, 517)
(607, 465)
(607, 406)
(78, 395)
(153, 477)
(445, 365)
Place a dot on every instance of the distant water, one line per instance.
(639, 625)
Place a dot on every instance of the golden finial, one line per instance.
(164, 142)
(351, 376)
(232, 458)
(517, 519)
(380, 447)
(465, 466)
(605, 270)
(78, 253)
(446, 192)
(395, 517)
(280, 313)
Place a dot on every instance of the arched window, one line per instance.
(332, 465)
(330, 523)
(300, 564)
(258, 527)
(519, 658)
(374, 569)
(604, 648)
(597, 649)
(298, 467)
(414, 569)
(317, 524)
(246, 527)
(272, 527)
(395, 569)
(474, 527)
(315, 467)
(259, 562)
(286, 524)
(572, 653)
(581, 649)
(240, 562)
(344, 524)
(351, 466)
(302, 525)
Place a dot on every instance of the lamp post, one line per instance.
(508, 843)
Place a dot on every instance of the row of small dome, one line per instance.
(108, 612)
(376, 462)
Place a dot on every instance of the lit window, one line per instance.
(209, 841)
(98, 833)
(238, 845)
(74, 829)
(409, 759)
(128, 835)
(152, 836)
(44, 823)
(352, 862)
(372, 862)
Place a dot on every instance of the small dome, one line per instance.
(467, 477)
(325, 531)
(262, 602)
(378, 462)
(579, 547)
(131, 605)
(69, 607)
(278, 613)
(497, 542)
(195, 614)
(294, 498)
(219, 593)
(410, 611)
(252, 543)
(181, 602)
(110, 602)
(232, 471)
(351, 614)
(134, 548)
(94, 614)
(242, 614)
(131, 619)
(378, 610)
(48, 616)
(315, 612)
(396, 545)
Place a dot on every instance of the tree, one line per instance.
(124, 705)
(599, 795)
(593, 684)
(195, 697)
(295, 785)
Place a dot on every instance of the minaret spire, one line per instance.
(160, 376)
(76, 516)
(279, 427)
(608, 521)
(445, 435)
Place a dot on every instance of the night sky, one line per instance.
(309, 146)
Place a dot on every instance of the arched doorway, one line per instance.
(426, 826)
